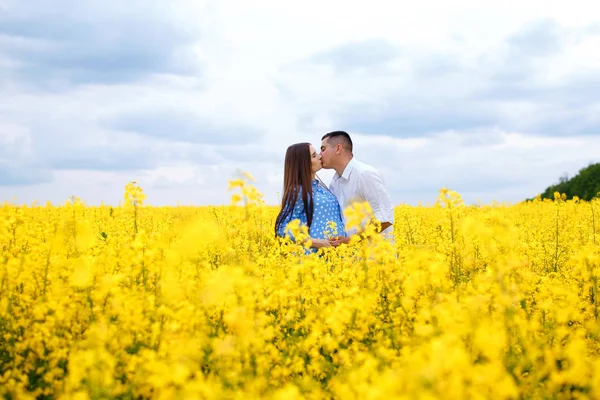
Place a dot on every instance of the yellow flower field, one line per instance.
(138, 302)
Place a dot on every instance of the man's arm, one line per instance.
(372, 188)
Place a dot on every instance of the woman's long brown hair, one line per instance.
(297, 179)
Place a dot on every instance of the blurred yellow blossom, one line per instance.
(135, 301)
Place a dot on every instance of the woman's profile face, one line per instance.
(315, 159)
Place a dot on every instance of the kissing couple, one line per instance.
(307, 198)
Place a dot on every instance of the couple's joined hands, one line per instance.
(337, 240)
(331, 242)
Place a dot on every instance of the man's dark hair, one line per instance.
(339, 137)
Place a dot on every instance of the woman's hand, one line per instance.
(320, 243)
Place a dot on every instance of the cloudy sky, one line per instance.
(496, 100)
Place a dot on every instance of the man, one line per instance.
(355, 181)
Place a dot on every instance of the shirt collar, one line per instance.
(347, 171)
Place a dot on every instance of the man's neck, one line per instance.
(342, 167)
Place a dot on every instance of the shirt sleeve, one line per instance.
(372, 187)
(297, 213)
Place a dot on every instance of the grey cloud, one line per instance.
(465, 183)
(181, 126)
(514, 78)
(75, 142)
(567, 108)
(197, 154)
(579, 91)
(104, 158)
(539, 39)
(163, 182)
(249, 153)
(482, 181)
(526, 47)
(564, 123)
(91, 41)
(369, 53)
(23, 175)
(411, 123)
(137, 153)
(482, 94)
(438, 65)
(480, 171)
(481, 138)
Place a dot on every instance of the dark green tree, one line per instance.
(585, 185)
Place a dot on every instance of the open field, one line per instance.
(149, 302)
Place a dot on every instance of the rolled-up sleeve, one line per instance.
(372, 188)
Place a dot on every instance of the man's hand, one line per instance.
(336, 241)
(379, 226)
(384, 226)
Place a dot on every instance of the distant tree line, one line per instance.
(585, 185)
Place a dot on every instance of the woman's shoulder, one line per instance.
(317, 183)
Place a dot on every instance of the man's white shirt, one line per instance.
(361, 182)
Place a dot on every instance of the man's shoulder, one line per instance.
(363, 167)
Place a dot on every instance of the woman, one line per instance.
(306, 198)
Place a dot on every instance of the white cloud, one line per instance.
(434, 93)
